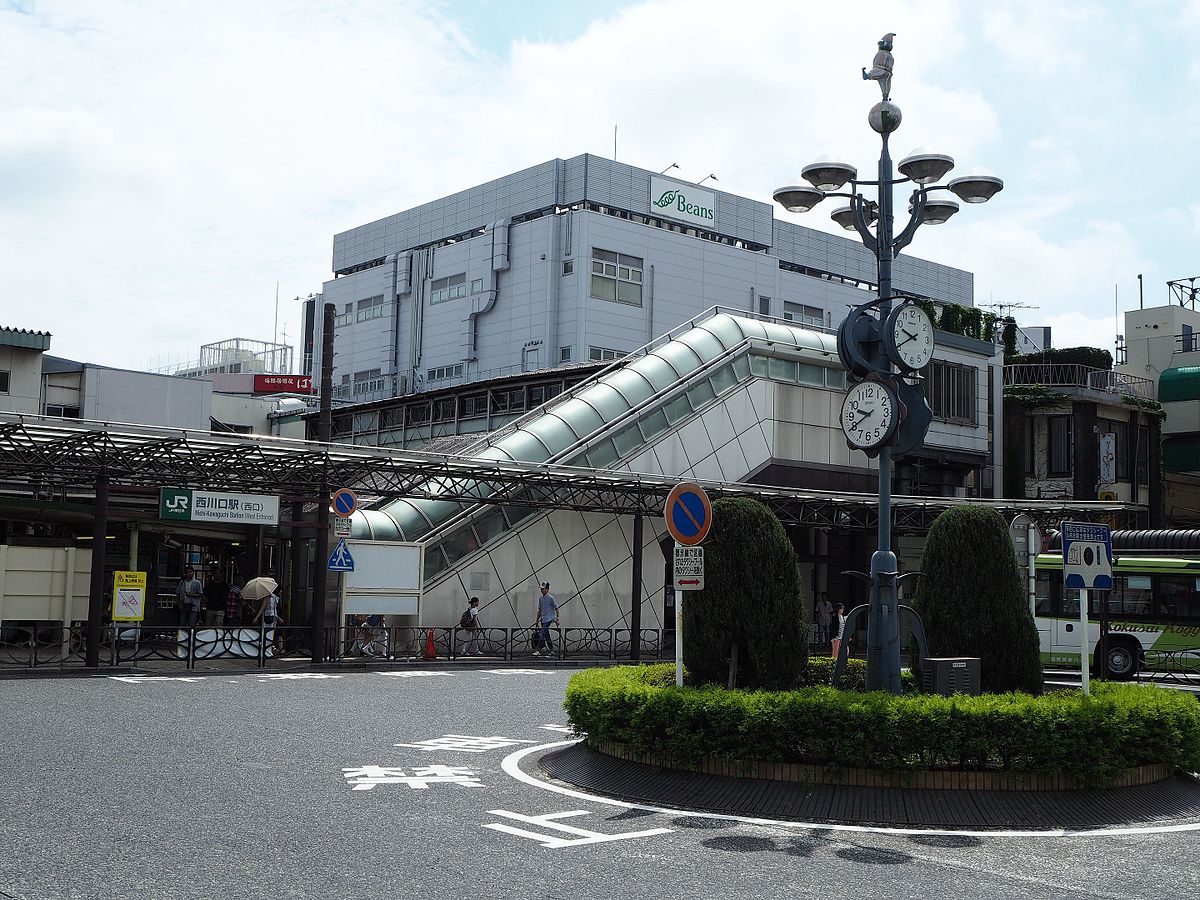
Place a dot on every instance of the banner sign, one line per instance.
(129, 596)
(182, 505)
(283, 384)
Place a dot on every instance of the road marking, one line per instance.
(295, 676)
(521, 671)
(138, 679)
(582, 835)
(365, 778)
(512, 766)
(415, 674)
(466, 743)
(564, 729)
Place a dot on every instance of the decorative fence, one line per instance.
(45, 646)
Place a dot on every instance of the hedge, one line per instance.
(1092, 740)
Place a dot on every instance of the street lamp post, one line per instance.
(887, 413)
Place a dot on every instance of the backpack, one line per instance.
(466, 621)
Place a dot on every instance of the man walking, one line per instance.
(469, 622)
(547, 615)
(190, 593)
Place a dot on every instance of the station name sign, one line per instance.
(182, 505)
(280, 384)
(684, 202)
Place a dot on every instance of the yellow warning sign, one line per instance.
(129, 596)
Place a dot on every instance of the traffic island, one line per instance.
(1122, 738)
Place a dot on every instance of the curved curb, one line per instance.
(622, 797)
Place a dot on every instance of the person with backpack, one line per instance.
(469, 623)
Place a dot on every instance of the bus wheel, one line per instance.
(1120, 661)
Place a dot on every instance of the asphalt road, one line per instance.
(237, 786)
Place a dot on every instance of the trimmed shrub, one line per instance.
(972, 602)
(1093, 357)
(751, 598)
(1092, 740)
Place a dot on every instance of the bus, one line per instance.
(1154, 604)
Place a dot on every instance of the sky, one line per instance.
(167, 169)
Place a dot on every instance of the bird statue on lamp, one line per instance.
(881, 66)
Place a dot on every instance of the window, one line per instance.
(564, 354)
(569, 267)
(343, 319)
(371, 308)
(472, 405)
(441, 373)
(764, 306)
(452, 287)
(1121, 445)
(367, 381)
(63, 412)
(951, 390)
(1143, 454)
(1030, 445)
(616, 277)
(600, 354)
(802, 314)
(4, 376)
(1059, 444)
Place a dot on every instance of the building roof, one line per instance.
(23, 337)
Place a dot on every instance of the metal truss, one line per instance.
(40, 452)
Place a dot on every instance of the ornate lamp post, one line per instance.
(883, 413)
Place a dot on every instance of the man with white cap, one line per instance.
(547, 615)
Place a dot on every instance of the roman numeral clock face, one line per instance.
(869, 415)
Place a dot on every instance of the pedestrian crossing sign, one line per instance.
(340, 559)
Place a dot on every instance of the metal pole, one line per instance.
(96, 598)
(325, 427)
(883, 623)
(1084, 673)
(635, 618)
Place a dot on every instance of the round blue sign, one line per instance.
(688, 514)
(344, 503)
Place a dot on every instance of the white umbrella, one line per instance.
(257, 588)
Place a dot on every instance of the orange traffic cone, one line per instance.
(430, 649)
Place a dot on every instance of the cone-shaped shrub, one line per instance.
(972, 602)
(751, 597)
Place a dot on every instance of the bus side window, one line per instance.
(1174, 595)
(1070, 602)
(1043, 602)
(1139, 596)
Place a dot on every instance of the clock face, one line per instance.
(910, 337)
(869, 415)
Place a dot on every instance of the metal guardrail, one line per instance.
(1181, 665)
(1075, 375)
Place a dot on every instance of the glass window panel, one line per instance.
(604, 288)
(741, 367)
(636, 275)
(1138, 595)
(628, 441)
(459, 543)
(653, 424)
(610, 270)
(782, 370)
(602, 455)
(814, 375)
(490, 525)
(629, 293)
(758, 366)
(607, 255)
(1174, 595)
(677, 409)
(723, 379)
(701, 394)
(435, 562)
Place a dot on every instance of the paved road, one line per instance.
(263, 786)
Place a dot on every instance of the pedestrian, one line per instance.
(268, 611)
(839, 635)
(824, 613)
(190, 593)
(234, 614)
(547, 615)
(469, 623)
(216, 599)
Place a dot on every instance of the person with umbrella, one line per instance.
(263, 589)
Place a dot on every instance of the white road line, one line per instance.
(512, 766)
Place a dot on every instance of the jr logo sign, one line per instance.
(682, 202)
(174, 503)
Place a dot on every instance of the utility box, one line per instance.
(951, 675)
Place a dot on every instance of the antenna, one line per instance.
(1003, 308)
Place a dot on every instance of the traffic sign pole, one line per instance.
(679, 595)
(1084, 674)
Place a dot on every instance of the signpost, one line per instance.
(184, 505)
(688, 515)
(340, 559)
(341, 526)
(1087, 565)
(343, 502)
(129, 596)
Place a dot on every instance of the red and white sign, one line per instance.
(283, 384)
